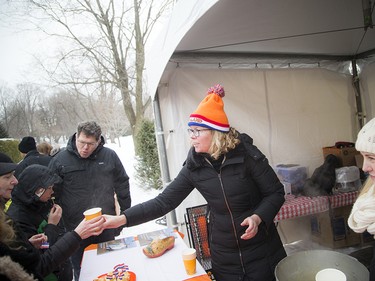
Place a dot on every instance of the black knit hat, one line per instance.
(6, 164)
(27, 144)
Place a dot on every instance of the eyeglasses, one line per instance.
(89, 144)
(40, 191)
(195, 132)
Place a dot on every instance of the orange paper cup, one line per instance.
(92, 213)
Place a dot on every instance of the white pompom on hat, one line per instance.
(366, 138)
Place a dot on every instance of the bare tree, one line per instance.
(25, 109)
(6, 104)
(107, 46)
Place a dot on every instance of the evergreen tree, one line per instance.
(147, 166)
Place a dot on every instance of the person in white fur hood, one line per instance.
(362, 216)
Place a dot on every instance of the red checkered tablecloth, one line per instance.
(343, 199)
(301, 206)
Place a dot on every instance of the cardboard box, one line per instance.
(359, 160)
(346, 155)
(330, 228)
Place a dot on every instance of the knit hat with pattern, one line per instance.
(210, 112)
(366, 138)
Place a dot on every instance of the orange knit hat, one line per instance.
(210, 112)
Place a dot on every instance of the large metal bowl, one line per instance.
(303, 266)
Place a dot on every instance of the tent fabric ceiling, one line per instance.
(319, 27)
(252, 31)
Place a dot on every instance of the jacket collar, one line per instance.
(196, 160)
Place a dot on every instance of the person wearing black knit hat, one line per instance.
(27, 147)
(7, 166)
(27, 144)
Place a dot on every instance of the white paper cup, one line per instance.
(92, 213)
(330, 274)
(189, 256)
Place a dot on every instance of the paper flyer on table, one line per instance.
(115, 245)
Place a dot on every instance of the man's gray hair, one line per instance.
(89, 128)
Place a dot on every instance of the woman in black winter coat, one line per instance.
(242, 191)
(26, 250)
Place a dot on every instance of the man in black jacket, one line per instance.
(27, 147)
(91, 177)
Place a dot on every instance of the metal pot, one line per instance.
(306, 264)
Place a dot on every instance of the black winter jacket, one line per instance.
(32, 157)
(29, 212)
(246, 184)
(40, 265)
(90, 182)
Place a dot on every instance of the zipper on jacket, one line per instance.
(230, 213)
(233, 225)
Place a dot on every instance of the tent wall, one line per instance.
(367, 85)
(290, 113)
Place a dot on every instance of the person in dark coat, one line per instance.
(34, 212)
(242, 191)
(26, 251)
(91, 177)
(28, 148)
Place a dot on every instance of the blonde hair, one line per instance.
(223, 142)
(44, 148)
(366, 186)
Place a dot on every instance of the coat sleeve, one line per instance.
(168, 200)
(59, 252)
(121, 184)
(269, 185)
(53, 232)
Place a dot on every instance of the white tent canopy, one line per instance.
(285, 66)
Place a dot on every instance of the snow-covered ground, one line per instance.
(125, 151)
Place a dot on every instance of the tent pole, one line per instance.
(171, 216)
(355, 81)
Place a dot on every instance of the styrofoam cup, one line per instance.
(330, 274)
(189, 256)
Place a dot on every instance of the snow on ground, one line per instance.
(125, 151)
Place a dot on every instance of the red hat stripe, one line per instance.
(210, 112)
(208, 120)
